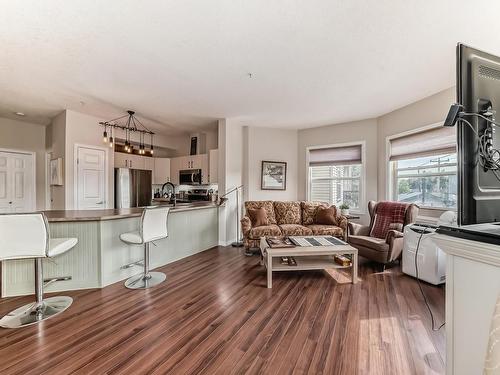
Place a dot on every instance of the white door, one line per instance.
(91, 178)
(17, 186)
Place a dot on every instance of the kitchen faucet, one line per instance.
(173, 198)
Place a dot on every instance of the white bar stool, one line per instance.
(153, 227)
(25, 236)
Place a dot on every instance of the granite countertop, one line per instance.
(112, 214)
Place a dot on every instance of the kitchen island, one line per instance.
(98, 258)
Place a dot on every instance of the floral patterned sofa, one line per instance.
(289, 219)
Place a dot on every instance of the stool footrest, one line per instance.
(133, 264)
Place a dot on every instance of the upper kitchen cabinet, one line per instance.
(149, 164)
(182, 163)
(161, 172)
(123, 160)
(213, 163)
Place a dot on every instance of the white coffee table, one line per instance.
(307, 258)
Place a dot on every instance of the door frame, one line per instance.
(75, 172)
(33, 156)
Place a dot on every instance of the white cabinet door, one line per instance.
(197, 161)
(121, 160)
(16, 182)
(175, 167)
(149, 163)
(91, 183)
(161, 171)
(136, 162)
(213, 163)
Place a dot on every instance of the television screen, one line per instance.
(478, 91)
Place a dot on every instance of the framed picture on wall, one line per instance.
(273, 175)
(56, 177)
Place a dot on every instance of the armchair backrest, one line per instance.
(411, 213)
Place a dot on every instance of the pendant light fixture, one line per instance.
(105, 135)
(111, 139)
(131, 125)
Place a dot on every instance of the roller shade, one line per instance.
(442, 140)
(335, 156)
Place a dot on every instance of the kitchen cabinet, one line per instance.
(213, 166)
(149, 164)
(161, 171)
(123, 160)
(189, 162)
(175, 167)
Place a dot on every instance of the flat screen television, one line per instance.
(478, 91)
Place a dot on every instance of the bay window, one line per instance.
(423, 168)
(336, 175)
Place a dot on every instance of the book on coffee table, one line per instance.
(279, 243)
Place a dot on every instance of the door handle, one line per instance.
(10, 202)
(101, 202)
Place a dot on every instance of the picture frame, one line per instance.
(273, 175)
(56, 177)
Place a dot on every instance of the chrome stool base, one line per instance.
(142, 281)
(32, 314)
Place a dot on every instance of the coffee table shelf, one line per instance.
(307, 263)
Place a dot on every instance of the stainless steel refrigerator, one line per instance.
(133, 188)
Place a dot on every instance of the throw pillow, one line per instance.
(326, 216)
(258, 216)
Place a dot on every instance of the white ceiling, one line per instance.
(184, 64)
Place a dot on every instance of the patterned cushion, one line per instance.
(287, 212)
(268, 206)
(309, 211)
(326, 230)
(295, 230)
(263, 231)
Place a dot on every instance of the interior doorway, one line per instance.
(17, 181)
(91, 177)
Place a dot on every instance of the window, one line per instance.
(335, 175)
(429, 181)
(424, 168)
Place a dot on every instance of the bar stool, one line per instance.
(153, 227)
(26, 236)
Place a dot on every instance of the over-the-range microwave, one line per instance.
(190, 177)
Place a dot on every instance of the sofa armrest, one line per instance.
(394, 239)
(358, 229)
(246, 225)
(342, 222)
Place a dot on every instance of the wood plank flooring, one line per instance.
(214, 315)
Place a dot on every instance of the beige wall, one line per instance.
(56, 145)
(358, 131)
(430, 110)
(24, 136)
(231, 174)
(273, 145)
(84, 130)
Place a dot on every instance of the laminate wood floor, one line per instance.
(214, 315)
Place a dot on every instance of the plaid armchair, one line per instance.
(382, 240)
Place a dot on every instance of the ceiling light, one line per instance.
(19, 113)
(132, 124)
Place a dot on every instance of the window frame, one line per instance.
(390, 191)
(362, 178)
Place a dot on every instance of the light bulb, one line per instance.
(111, 142)
(105, 136)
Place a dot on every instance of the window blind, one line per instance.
(335, 156)
(434, 141)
